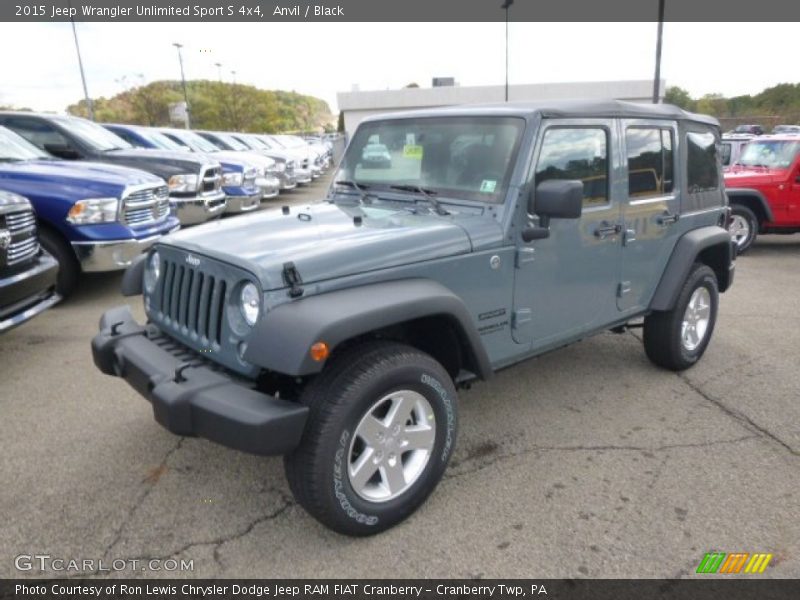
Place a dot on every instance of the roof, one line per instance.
(561, 109)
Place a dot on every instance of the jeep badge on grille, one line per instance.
(193, 260)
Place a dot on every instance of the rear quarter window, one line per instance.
(703, 166)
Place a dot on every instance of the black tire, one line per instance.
(663, 331)
(743, 212)
(338, 399)
(68, 267)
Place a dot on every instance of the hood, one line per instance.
(164, 163)
(737, 176)
(77, 176)
(323, 241)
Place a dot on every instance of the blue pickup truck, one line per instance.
(91, 216)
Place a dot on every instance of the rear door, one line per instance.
(650, 210)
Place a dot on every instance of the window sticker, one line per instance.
(412, 151)
(488, 186)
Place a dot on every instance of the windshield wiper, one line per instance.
(430, 196)
(361, 188)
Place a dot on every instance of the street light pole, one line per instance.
(183, 83)
(89, 106)
(219, 71)
(657, 77)
(506, 5)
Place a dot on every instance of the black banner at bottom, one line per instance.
(726, 588)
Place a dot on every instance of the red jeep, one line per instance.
(764, 189)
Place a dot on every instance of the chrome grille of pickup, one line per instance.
(24, 242)
(146, 206)
(212, 179)
(193, 301)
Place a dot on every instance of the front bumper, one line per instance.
(240, 204)
(302, 175)
(113, 255)
(270, 186)
(288, 180)
(194, 397)
(198, 209)
(27, 293)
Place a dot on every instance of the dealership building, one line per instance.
(357, 105)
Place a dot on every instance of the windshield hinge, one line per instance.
(292, 278)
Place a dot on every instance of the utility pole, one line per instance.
(657, 78)
(89, 106)
(183, 83)
(506, 5)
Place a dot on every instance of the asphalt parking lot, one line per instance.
(588, 461)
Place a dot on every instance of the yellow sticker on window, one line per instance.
(412, 151)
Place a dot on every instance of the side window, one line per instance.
(702, 173)
(125, 135)
(650, 161)
(36, 132)
(576, 153)
(727, 150)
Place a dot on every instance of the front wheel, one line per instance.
(381, 429)
(677, 338)
(743, 227)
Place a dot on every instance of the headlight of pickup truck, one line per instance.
(152, 272)
(232, 179)
(250, 303)
(93, 210)
(186, 182)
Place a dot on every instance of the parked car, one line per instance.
(305, 157)
(145, 137)
(27, 273)
(284, 166)
(316, 154)
(91, 216)
(764, 189)
(195, 183)
(751, 129)
(302, 173)
(337, 334)
(732, 146)
(376, 156)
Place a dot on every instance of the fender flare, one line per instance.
(734, 193)
(282, 339)
(683, 257)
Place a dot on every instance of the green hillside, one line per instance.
(214, 105)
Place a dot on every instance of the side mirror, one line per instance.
(553, 199)
(62, 151)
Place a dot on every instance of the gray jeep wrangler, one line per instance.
(337, 334)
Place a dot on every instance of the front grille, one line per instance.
(193, 302)
(24, 242)
(146, 206)
(212, 179)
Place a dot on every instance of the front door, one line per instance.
(650, 211)
(567, 284)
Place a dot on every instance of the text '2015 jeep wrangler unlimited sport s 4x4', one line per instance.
(337, 334)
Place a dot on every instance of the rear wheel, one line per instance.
(743, 227)
(676, 339)
(381, 430)
(68, 268)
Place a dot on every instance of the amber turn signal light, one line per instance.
(319, 351)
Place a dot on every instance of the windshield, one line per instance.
(775, 154)
(232, 142)
(14, 147)
(94, 135)
(196, 142)
(254, 142)
(464, 157)
(159, 140)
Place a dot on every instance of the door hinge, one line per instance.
(623, 288)
(629, 237)
(292, 278)
(525, 256)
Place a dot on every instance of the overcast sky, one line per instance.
(39, 67)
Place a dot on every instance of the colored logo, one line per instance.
(736, 562)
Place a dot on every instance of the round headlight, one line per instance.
(250, 303)
(151, 272)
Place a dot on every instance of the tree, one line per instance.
(679, 97)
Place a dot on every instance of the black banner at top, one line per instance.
(397, 10)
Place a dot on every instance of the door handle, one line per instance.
(668, 219)
(607, 229)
